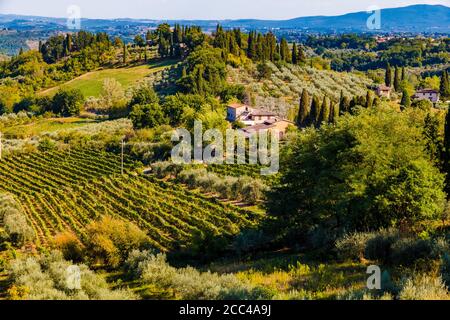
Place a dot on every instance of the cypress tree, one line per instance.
(251, 49)
(325, 111)
(277, 52)
(304, 109)
(369, 100)
(388, 77)
(183, 72)
(315, 111)
(444, 88)
(125, 53)
(344, 104)
(260, 48)
(403, 74)
(447, 150)
(69, 42)
(406, 99)
(335, 113)
(433, 138)
(397, 79)
(284, 51)
(301, 56)
(294, 54)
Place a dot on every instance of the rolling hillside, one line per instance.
(91, 83)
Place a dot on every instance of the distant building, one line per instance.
(256, 120)
(384, 91)
(236, 110)
(427, 94)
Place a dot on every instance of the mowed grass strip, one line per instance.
(90, 84)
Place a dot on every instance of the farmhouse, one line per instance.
(427, 94)
(384, 91)
(256, 120)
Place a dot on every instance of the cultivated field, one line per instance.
(64, 191)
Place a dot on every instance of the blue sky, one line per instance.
(199, 9)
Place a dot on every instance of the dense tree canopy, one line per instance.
(367, 172)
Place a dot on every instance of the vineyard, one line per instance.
(65, 191)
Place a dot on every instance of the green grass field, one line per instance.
(91, 83)
(46, 125)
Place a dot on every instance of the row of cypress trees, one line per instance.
(314, 111)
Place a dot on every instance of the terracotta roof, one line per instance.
(384, 88)
(263, 113)
(258, 127)
(236, 105)
(427, 91)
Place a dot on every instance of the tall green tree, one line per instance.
(295, 54)
(301, 54)
(284, 51)
(325, 111)
(444, 87)
(369, 100)
(315, 111)
(406, 99)
(434, 140)
(397, 79)
(125, 53)
(304, 109)
(388, 76)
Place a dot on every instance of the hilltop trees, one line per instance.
(206, 72)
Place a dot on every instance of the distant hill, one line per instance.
(414, 19)
(417, 18)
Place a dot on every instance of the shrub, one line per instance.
(445, 269)
(110, 240)
(379, 247)
(67, 102)
(253, 191)
(48, 278)
(406, 252)
(190, 284)
(352, 246)
(69, 245)
(423, 287)
(14, 221)
(147, 116)
(249, 240)
(167, 168)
